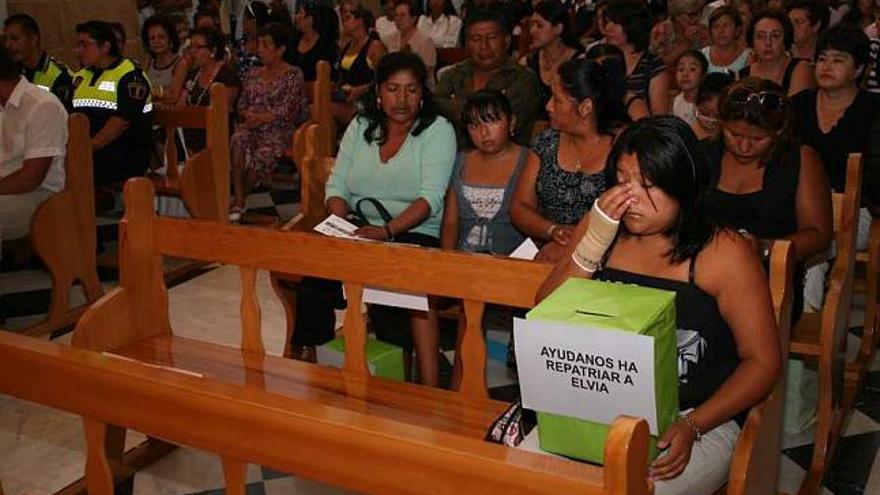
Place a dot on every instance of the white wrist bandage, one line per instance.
(601, 231)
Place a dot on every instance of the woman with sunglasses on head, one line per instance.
(763, 183)
(651, 228)
(835, 119)
(771, 35)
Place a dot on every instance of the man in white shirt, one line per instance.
(33, 140)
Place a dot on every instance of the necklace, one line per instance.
(579, 165)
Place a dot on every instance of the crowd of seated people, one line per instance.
(674, 148)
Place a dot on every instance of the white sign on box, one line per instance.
(586, 373)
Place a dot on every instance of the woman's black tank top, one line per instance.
(706, 348)
(786, 76)
(360, 72)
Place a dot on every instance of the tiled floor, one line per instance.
(43, 451)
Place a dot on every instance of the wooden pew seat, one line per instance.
(404, 402)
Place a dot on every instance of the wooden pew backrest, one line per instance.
(754, 469)
(63, 232)
(204, 182)
(134, 318)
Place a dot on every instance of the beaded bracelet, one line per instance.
(689, 419)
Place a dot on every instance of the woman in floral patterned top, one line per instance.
(272, 104)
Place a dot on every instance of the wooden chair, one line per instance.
(822, 335)
(63, 234)
(321, 115)
(407, 431)
(203, 185)
(754, 469)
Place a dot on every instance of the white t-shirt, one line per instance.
(385, 27)
(443, 32)
(33, 124)
(684, 110)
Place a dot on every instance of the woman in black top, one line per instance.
(729, 350)
(835, 120)
(770, 34)
(761, 182)
(316, 37)
(552, 45)
(356, 62)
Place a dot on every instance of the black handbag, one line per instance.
(358, 218)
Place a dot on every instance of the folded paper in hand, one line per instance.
(339, 227)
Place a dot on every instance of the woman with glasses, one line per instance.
(771, 35)
(725, 53)
(208, 50)
(835, 119)
(628, 25)
(651, 228)
(357, 59)
(763, 184)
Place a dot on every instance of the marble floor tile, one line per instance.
(186, 471)
(217, 297)
(300, 486)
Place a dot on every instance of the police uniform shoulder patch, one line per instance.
(137, 90)
(77, 81)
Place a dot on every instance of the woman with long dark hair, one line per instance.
(316, 37)
(651, 228)
(553, 43)
(552, 195)
(393, 166)
(628, 25)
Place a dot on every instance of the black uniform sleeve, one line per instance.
(63, 89)
(132, 92)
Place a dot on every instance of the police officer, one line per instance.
(114, 94)
(22, 36)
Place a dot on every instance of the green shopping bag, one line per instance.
(383, 359)
(585, 356)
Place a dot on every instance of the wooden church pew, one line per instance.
(63, 234)
(203, 185)
(344, 416)
(357, 447)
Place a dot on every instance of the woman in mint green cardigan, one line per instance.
(400, 152)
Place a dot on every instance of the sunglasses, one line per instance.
(764, 105)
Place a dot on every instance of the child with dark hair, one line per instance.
(477, 214)
(706, 123)
(689, 72)
(476, 217)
